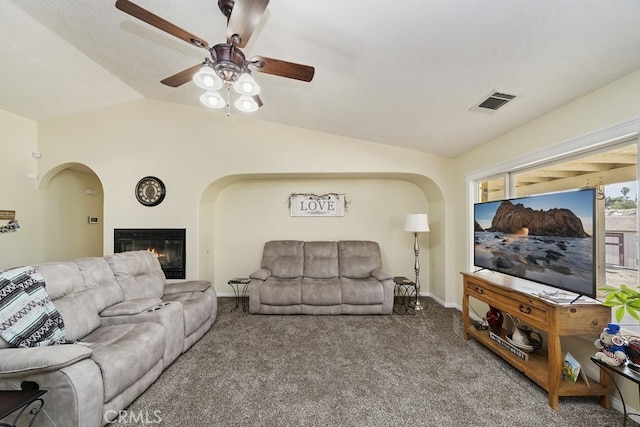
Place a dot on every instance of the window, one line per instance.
(491, 189)
(613, 171)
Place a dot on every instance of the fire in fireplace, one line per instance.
(168, 244)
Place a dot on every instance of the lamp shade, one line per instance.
(212, 99)
(206, 78)
(246, 104)
(246, 85)
(416, 223)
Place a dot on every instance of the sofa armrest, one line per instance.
(262, 274)
(130, 307)
(381, 275)
(186, 286)
(19, 362)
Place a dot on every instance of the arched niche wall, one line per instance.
(69, 194)
(428, 197)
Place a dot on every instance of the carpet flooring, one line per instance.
(256, 370)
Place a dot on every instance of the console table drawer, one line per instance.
(528, 310)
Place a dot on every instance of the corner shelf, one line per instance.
(544, 367)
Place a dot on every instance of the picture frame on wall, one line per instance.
(331, 204)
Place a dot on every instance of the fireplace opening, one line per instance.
(168, 244)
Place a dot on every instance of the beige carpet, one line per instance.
(252, 370)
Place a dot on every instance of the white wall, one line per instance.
(212, 164)
(19, 139)
(53, 222)
(254, 211)
(67, 233)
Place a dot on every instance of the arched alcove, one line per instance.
(238, 213)
(70, 194)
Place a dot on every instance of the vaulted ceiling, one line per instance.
(400, 73)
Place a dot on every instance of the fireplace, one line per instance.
(168, 244)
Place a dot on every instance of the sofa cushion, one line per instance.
(100, 282)
(138, 274)
(61, 278)
(277, 291)
(125, 353)
(361, 291)
(79, 314)
(321, 260)
(196, 308)
(357, 259)
(321, 291)
(284, 258)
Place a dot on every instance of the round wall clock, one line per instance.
(150, 191)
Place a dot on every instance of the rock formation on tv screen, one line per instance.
(516, 219)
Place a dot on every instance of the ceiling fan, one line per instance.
(227, 66)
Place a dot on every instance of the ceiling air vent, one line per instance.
(494, 101)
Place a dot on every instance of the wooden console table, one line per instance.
(544, 367)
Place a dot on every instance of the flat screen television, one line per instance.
(546, 238)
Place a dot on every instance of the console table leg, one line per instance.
(555, 369)
(606, 380)
(465, 316)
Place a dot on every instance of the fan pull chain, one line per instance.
(228, 103)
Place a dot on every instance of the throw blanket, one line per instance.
(28, 317)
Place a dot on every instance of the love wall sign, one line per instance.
(316, 205)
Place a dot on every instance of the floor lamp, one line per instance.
(416, 224)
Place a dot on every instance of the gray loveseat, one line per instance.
(344, 277)
(135, 323)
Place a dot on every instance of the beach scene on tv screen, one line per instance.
(546, 238)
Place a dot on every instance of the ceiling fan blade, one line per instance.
(182, 77)
(281, 68)
(244, 19)
(166, 26)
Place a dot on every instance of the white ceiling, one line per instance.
(400, 73)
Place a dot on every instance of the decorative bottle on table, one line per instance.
(495, 319)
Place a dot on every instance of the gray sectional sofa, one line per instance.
(343, 277)
(135, 325)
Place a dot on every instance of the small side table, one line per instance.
(19, 400)
(405, 293)
(626, 372)
(240, 285)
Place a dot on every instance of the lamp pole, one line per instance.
(417, 223)
(416, 250)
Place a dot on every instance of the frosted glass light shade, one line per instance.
(416, 223)
(246, 85)
(206, 78)
(212, 99)
(246, 104)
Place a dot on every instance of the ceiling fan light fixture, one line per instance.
(246, 103)
(206, 78)
(246, 85)
(212, 99)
